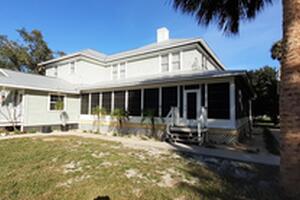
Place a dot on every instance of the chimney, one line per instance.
(162, 35)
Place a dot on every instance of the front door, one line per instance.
(191, 104)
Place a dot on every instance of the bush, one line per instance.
(271, 143)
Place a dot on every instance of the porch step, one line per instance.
(183, 129)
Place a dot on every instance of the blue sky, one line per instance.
(114, 26)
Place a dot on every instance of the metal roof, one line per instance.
(162, 78)
(171, 43)
(14, 79)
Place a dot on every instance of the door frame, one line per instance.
(198, 105)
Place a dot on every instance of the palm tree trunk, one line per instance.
(290, 100)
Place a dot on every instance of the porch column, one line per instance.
(126, 100)
(142, 102)
(90, 104)
(232, 103)
(100, 100)
(160, 102)
(112, 101)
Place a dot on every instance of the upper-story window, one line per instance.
(72, 67)
(165, 63)
(175, 61)
(122, 70)
(114, 71)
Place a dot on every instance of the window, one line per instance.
(151, 100)
(122, 70)
(72, 67)
(57, 102)
(165, 63)
(203, 95)
(134, 102)
(218, 101)
(176, 61)
(115, 72)
(94, 101)
(106, 101)
(195, 65)
(84, 104)
(169, 99)
(119, 101)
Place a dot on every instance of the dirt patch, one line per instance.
(71, 167)
(133, 173)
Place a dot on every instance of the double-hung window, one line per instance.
(57, 102)
(72, 67)
(165, 63)
(122, 70)
(176, 61)
(204, 62)
(115, 72)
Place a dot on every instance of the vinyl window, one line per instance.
(115, 72)
(122, 70)
(165, 63)
(176, 61)
(54, 102)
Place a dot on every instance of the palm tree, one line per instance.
(149, 117)
(99, 112)
(276, 50)
(121, 116)
(228, 14)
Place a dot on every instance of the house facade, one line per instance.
(171, 73)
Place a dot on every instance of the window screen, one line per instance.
(106, 101)
(151, 100)
(218, 101)
(134, 102)
(94, 101)
(169, 99)
(84, 104)
(119, 100)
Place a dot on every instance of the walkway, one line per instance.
(142, 144)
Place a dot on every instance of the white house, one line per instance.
(180, 74)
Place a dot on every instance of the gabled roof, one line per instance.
(163, 78)
(171, 43)
(14, 79)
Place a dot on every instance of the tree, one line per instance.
(99, 112)
(121, 116)
(27, 54)
(276, 50)
(264, 82)
(228, 15)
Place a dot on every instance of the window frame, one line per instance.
(179, 61)
(161, 62)
(113, 77)
(72, 67)
(120, 70)
(64, 101)
(88, 103)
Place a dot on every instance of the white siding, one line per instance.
(143, 67)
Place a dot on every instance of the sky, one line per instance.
(115, 26)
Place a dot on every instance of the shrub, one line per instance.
(271, 143)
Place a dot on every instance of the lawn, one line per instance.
(77, 168)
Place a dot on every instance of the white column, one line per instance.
(206, 96)
(142, 101)
(126, 100)
(90, 104)
(112, 101)
(232, 103)
(160, 102)
(100, 100)
(178, 97)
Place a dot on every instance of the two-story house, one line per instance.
(171, 73)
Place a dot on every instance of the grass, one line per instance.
(76, 168)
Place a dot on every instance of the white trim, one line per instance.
(126, 100)
(90, 104)
(112, 106)
(49, 100)
(159, 101)
(232, 102)
(100, 99)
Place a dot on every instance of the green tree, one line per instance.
(121, 116)
(228, 14)
(25, 55)
(265, 84)
(99, 112)
(277, 51)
